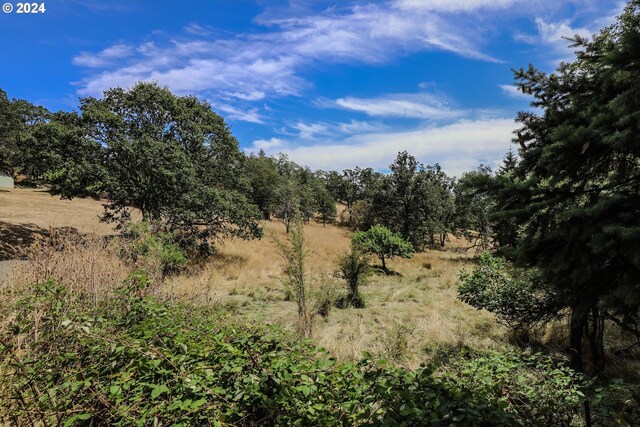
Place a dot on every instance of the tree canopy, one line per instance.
(578, 195)
(382, 242)
(173, 159)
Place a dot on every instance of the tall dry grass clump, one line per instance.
(84, 263)
(294, 253)
(64, 270)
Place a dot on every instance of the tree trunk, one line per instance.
(596, 340)
(384, 266)
(579, 317)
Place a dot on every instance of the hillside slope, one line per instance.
(408, 316)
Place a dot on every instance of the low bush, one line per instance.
(354, 268)
(134, 360)
(517, 302)
(154, 250)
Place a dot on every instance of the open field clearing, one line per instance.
(38, 208)
(408, 314)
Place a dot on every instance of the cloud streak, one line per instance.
(270, 63)
(105, 57)
(512, 91)
(415, 106)
(458, 147)
(554, 36)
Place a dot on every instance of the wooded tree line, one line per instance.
(421, 203)
(175, 161)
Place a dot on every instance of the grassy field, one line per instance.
(409, 315)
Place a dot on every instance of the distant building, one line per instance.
(6, 181)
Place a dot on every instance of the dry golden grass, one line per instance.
(407, 316)
(243, 267)
(41, 209)
(86, 264)
(417, 310)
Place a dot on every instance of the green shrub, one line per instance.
(382, 242)
(144, 246)
(354, 268)
(134, 360)
(515, 301)
(327, 295)
(535, 389)
(616, 404)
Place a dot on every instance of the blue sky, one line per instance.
(334, 84)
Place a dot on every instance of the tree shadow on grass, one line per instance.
(377, 269)
(16, 238)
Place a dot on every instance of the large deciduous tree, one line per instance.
(8, 122)
(264, 181)
(414, 200)
(474, 207)
(173, 159)
(20, 151)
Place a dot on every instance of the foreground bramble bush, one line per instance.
(133, 360)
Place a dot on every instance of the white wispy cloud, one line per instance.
(250, 115)
(271, 145)
(360, 126)
(458, 147)
(270, 63)
(406, 105)
(554, 35)
(314, 131)
(105, 57)
(310, 130)
(454, 5)
(197, 29)
(513, 92)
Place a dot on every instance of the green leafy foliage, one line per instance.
(294, 253)
(533, 388)
(326, 205)
(143, 245)
(617, 403)
(382, 242)
(415, 201)
(21, 152)
(354, 268)
(474, 208)
(173, 159)
(264, 181)
(515, 301)
(132, 360)
(577, 199)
